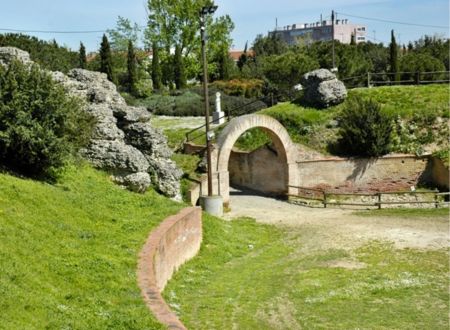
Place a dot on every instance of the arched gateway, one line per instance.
(228, 137)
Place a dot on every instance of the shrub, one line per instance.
(365, 130)
(241, 87)
(40, 127)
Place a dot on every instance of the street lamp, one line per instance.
(207, 10)
(211, 204)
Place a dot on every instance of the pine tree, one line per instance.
(243, 58)
(180, 76)
(131, 70)
(106, 59)
(83, 60)
(393, 58)
(353, 40)
(156, 67)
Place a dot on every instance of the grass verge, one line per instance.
(68, 252)
(405, 213)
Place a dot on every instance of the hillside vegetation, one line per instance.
(68, 252)
(418, 114)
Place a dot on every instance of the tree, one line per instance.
(175, 24)
(132, 77)
(365, 130)
(393, 58)
(83, 60)
(106, 59)
(180, 77)
(243, 58)
(156, 67)
(41, 127)
(353, 40)
(123, 33)
(271, 45)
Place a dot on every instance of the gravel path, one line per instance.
(340, 228)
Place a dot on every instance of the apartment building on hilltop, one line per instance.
(321, 31)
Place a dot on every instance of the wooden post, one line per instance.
(436, 198)
(417, 78)
(368, 79)
(379, 201)
(324, 199)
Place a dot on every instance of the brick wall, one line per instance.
(175, 241)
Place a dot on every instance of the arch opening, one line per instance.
(270, 169)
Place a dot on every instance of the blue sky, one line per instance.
(251, 17)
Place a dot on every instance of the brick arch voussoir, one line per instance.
(237, 126)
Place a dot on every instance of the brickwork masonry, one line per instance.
(176, 240)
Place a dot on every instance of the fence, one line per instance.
(371, 79)
(324, 197)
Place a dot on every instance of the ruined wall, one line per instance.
(261, 170)
(439, 174)
(387, 173)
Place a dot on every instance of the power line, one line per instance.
(396, 22)
(49, 31)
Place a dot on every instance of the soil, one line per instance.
(341, 228)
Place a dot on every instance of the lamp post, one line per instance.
(203, 12)
(211, 204)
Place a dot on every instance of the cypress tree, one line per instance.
(131, 70)
(156, 67)
(106, 58)
(353, 40)
(82, 58)
(180, 77)
(243, 58)
(393, 58)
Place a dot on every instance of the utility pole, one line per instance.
(203, 13)
(332, 40)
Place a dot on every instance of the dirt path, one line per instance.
(339, 228)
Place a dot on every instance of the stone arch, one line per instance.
(235, 128)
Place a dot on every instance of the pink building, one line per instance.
(321, 31)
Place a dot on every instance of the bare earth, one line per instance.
(339, 228)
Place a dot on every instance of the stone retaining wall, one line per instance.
(176, 240)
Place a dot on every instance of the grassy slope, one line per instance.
(250, 276)
(309, 126)
(68, 252)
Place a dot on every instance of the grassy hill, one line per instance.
(68, 252)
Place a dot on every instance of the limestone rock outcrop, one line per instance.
(123, 142)
(323, 89)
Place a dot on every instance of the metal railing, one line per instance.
(323, 197)
(230, 113)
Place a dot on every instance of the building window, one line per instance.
(361, 38)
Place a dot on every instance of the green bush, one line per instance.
(40, 127)
(241, 87)
(365, 130)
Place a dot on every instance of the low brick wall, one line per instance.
(175, 241)
(388, 173)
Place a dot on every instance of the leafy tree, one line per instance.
(156, 67)
(47, 54)
(41, 128)
(83, 60)
(285, 70)
(176, 24)
(132, 74)
(393, 58)
(417, 63)
(271, 45)
(365, 130)
(123, 33)
(180, 77)
(106, 65)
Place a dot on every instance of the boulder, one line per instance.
(322, 89)
(123, 142)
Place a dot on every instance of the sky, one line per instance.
(251, 17)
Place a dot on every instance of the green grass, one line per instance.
(405, 213)
(68, 252)
(250, 276)
(314, 127)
